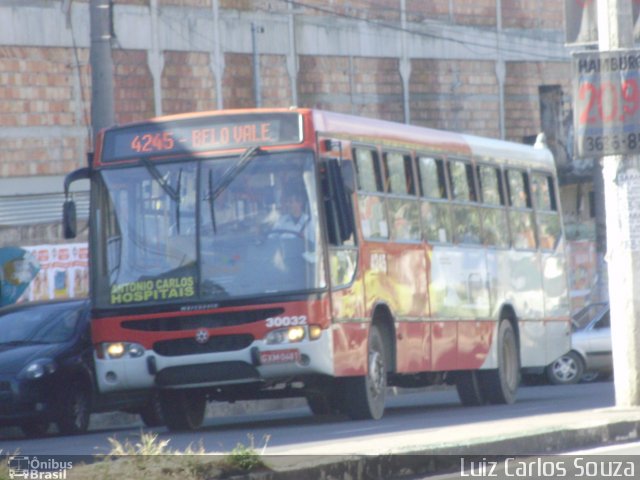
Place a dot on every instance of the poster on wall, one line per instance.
(64, 272)
(18, 268)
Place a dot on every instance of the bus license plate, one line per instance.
(279, 356)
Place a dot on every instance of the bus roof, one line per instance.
(433, 140)
(370, 130)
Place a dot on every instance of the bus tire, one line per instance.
(500, 386)
(469, 387)
(151, 413)
(323, 403)
(365, 396)
(182, 410)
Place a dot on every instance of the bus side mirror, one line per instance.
(69, 222)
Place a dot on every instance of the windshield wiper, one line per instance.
(227, 177)
(233, 171)
(174, 193)
(15, 343)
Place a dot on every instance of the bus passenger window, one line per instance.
(543, 193)
(494, 215)
(405, 219)
(399, 174)
(368, 172)
(436, 226)
(490, 186)
(432, 178)
(541, 189)
(521, 215)
(435, 212)
(373, 218)
(518, 189)
(466, 221)
(371, 206)
(462, 184)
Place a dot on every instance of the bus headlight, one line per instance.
(315, 331)
(117, 350)
(286, 335)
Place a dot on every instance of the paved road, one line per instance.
(412, 421)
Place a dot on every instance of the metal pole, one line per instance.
(256, 64)
(621, 175)
(102, 110)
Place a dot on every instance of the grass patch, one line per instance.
(150, 458)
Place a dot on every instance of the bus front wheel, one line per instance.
(501, 385)
(365, 396)
(182, 409)
(469, 387)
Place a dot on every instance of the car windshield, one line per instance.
(39, 324)
(209, 229)
(588, 313)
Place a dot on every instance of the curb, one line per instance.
(445, 458)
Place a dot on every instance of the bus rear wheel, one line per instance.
(501, 385)
(365, 396)
(182, 409)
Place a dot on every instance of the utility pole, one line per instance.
(621, 175)
(102, 110)
(255, 29)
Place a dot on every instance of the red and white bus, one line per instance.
(424, 257)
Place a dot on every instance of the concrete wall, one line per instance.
(473, 67)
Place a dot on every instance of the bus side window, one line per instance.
(465, 211)
(521, 214)
(434, 207)
(493, 212)
(367, 170)
(544, 201)
(371, 205)
(404, 211)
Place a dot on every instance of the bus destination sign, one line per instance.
(606, 97)
(201, 135)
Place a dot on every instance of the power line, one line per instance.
(83, 100)
(469, 46)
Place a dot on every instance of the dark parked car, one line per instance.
(590, 356)
(46, 370)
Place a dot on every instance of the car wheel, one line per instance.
(591, 376)
(35, 429)
(74, 410)
(566, 370)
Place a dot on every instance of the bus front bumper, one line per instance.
(257, 363)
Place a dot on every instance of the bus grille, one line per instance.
(212, 320)
(207, 373)
(189, 346)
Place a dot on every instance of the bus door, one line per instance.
(347, 287)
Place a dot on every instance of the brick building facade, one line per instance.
(475, 67)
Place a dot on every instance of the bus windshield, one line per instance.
(207, 229)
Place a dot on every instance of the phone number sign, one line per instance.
(606, 96)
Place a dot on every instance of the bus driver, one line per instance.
(295, 221)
